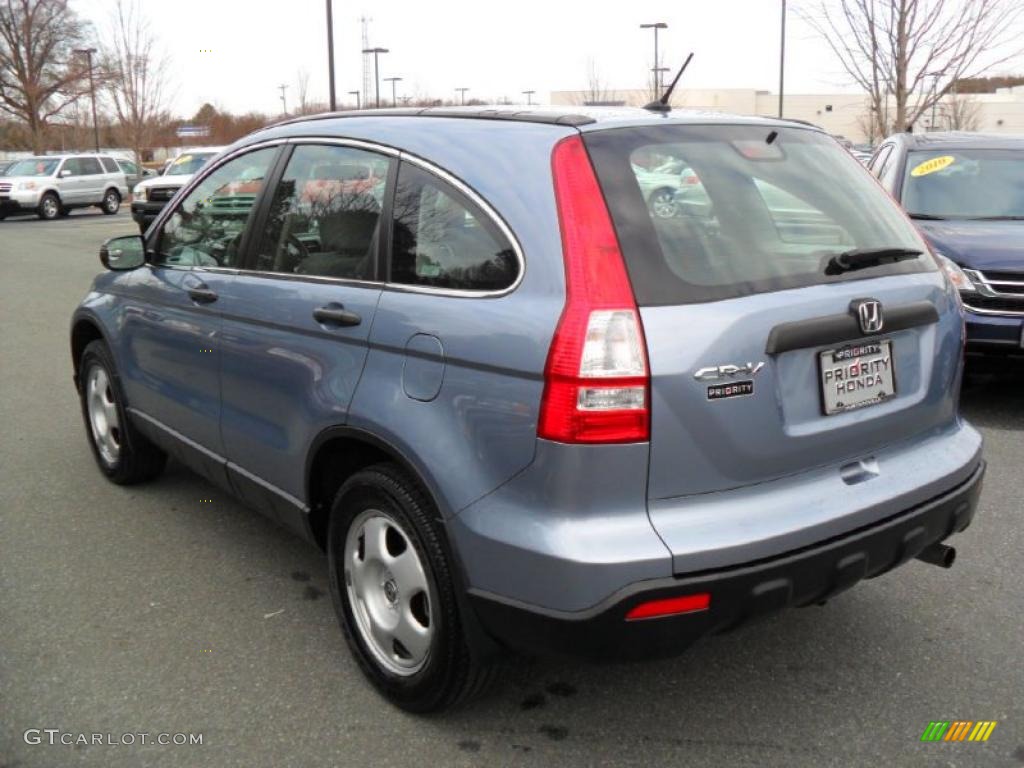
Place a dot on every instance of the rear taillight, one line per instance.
(596, 377)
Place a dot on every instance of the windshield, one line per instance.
(34, 166)
(187, 164)
(965, 184)
(708, 212)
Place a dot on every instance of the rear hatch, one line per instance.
(764, 363)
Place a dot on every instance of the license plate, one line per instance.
(856, 376)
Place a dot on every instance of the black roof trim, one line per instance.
(519, 116)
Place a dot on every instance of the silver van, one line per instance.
(51, 185)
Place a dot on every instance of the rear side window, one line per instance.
(109, 165)
(442, 240)
(709, 212)
(325, 216)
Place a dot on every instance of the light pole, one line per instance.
(658, 78)
(284, 102)
(655, 26)
(330, 53)
(376, 72)
(782, 56)
(356, 94)
(935, 84)
(394, 98)
(529, 96)
(462, 95)
(88, 52)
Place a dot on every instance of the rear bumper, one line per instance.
(994, 335)
(738, 594)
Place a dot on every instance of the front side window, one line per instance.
(770, 209)
(965, 184)
(442, 240)
(325, 216)
(207, 226)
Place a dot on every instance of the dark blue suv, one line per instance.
(521, 406)
(965, 192)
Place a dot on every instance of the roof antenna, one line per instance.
(661, 105)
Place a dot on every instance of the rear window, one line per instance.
(713, 212)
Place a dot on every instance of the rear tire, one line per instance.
(49, 207)
(123, 454)
(401, 586)
(111, 202)
(663, 203)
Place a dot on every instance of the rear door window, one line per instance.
(441, 239)
(89, 166)
(771, 206)
(325, 216)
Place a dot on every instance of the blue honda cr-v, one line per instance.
(965, 192)
(521, 407)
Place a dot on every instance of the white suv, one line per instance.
(51, 185)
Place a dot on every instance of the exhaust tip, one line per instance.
(941, 555)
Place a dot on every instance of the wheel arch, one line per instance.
(335, 455)
(85, 329)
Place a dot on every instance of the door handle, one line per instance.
(202, 295)
(336, 314)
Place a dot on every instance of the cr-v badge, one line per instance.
(729, 371)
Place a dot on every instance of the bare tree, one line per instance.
(302, 90)
(596, 91)
(893, 48)
(39, 74)
(963, 112)
(135, 75)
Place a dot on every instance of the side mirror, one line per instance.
(64, 173)
(123, 253)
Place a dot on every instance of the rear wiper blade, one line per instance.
(926, 216)
(862, 258)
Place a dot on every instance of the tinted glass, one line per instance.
(964, 184)
(109, 165)
(769, 208)
(87, 166)
(128, 167)
(206, 227)
(34, 166)
(442, 240)
(325, 216)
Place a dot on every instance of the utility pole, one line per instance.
(462, 95)
(935, 85)
(656, 26)
(529, 96)
(394, 98)
(659, 78)
(330, 52)
(88, 52)
(356, 94)
(284, 102)
(782, 57)
(376, 72)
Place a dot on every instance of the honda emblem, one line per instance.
(869, 314)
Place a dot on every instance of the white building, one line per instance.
(841, 114)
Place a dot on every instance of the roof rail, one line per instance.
(511, 115)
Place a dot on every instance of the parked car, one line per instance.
(4, 165)
(133, 172)
(52, 185)
(536, 414)
(664, 186)
(151, 195)
(965, 192)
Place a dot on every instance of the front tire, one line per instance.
(111, 202)
(49, 207)
(394, 592)
(123, 454)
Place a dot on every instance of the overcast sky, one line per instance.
(496, 49)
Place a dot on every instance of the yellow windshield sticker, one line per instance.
(185, 158)
(933, 165)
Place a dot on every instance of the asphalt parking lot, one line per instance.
(146, 609)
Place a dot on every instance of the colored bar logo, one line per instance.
(958, 730)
